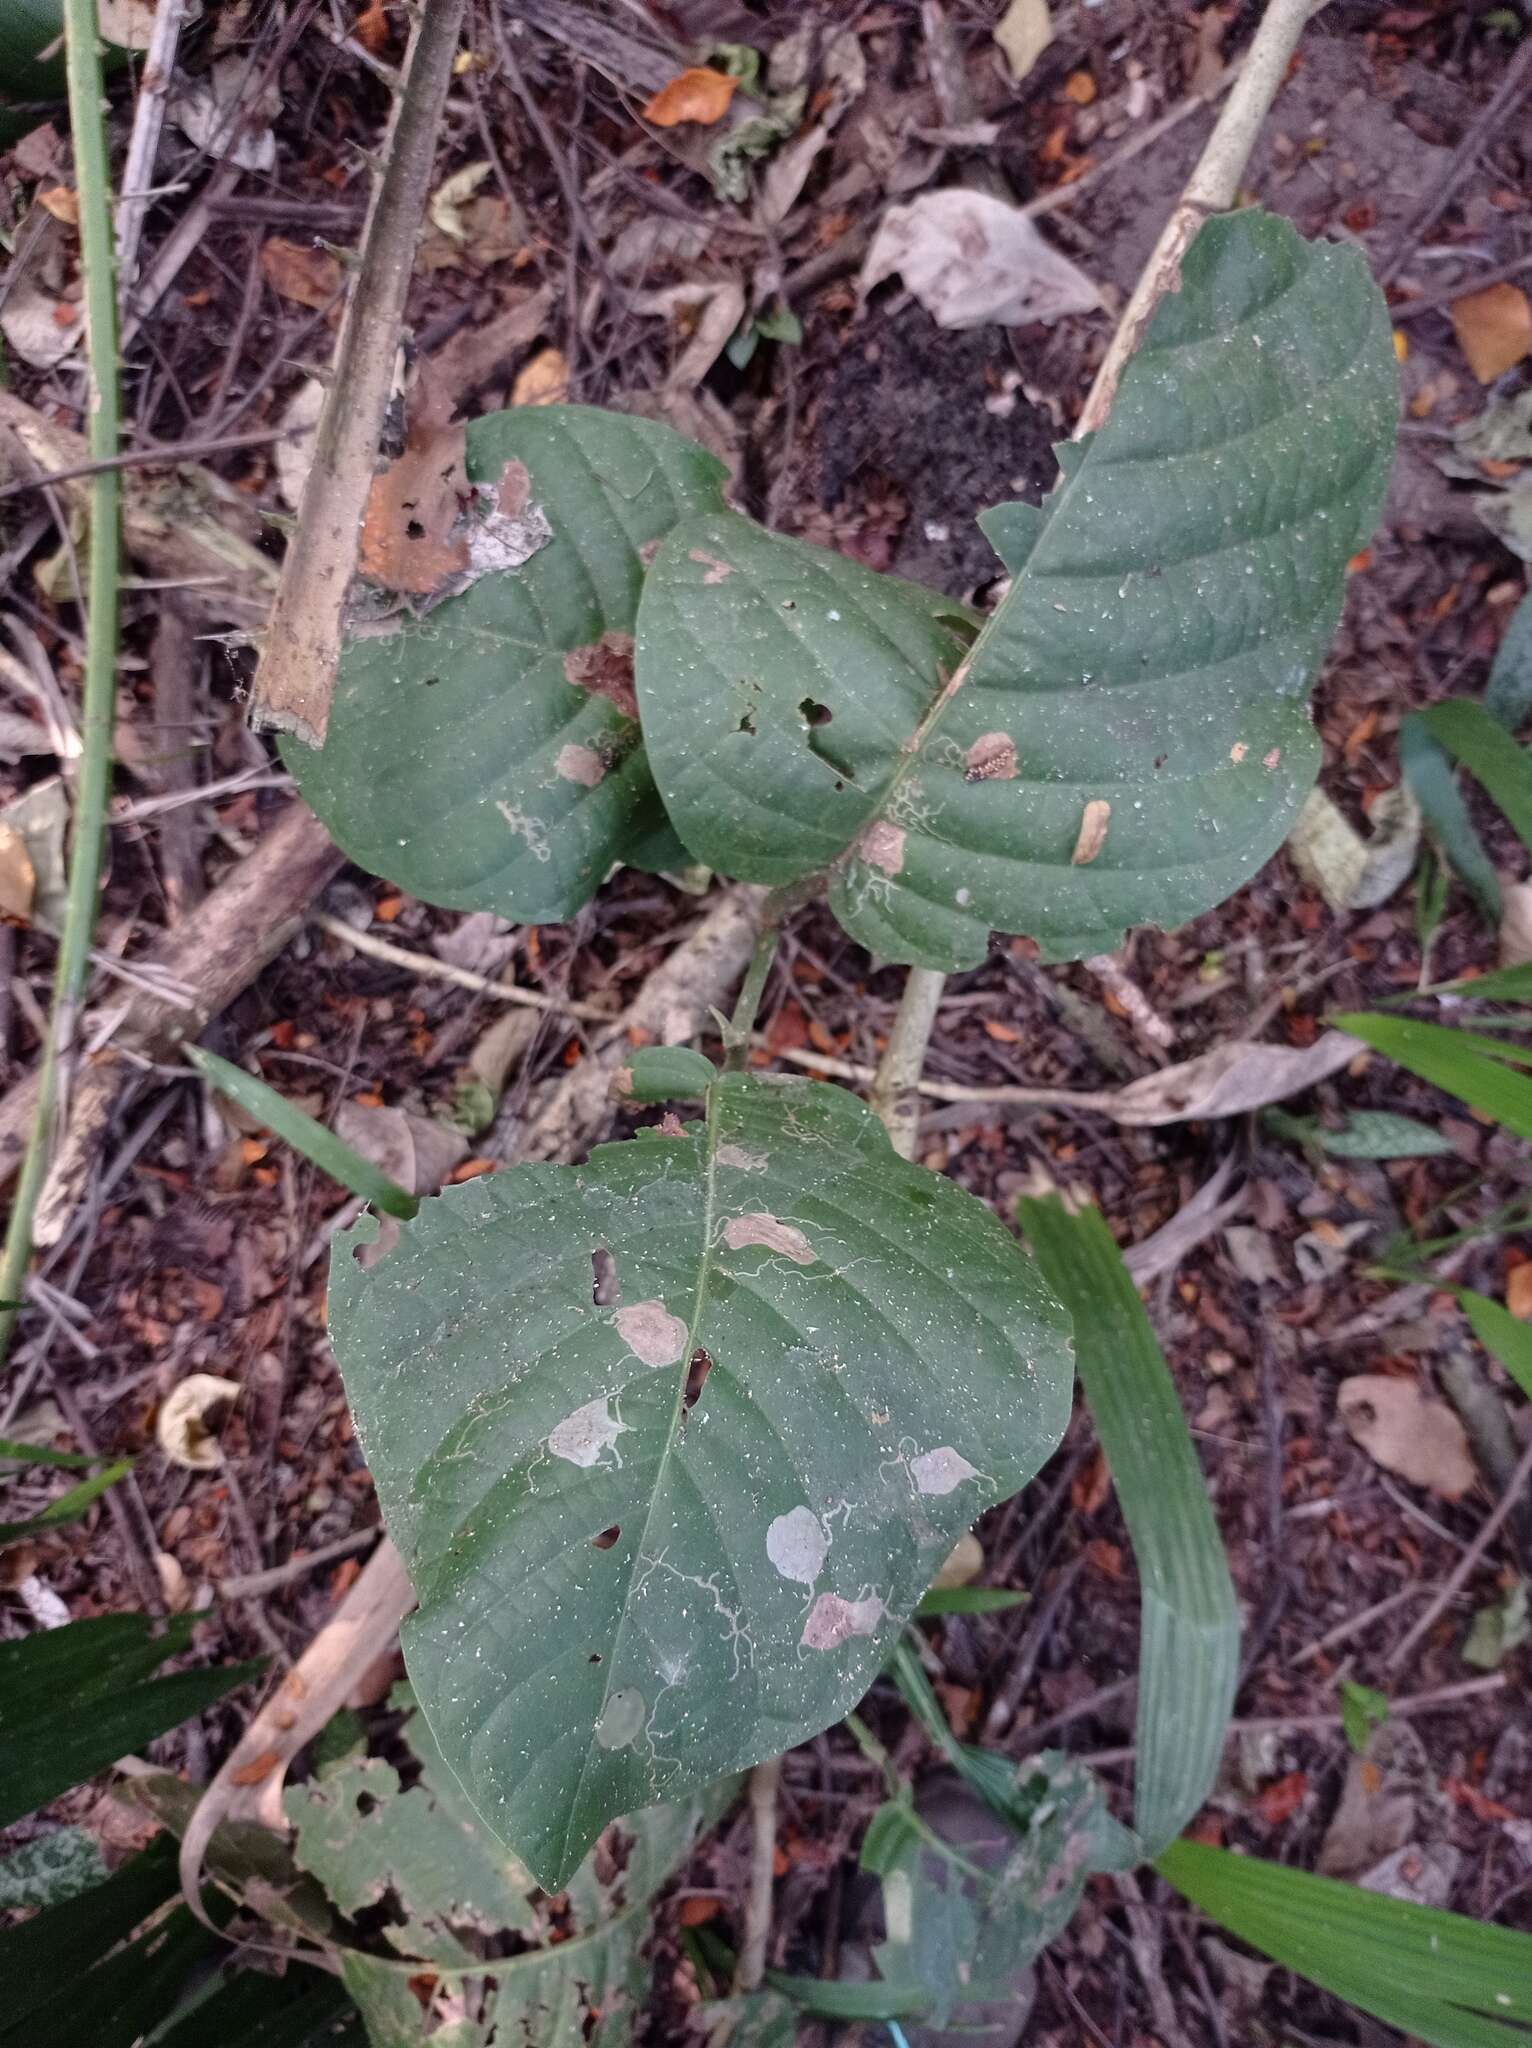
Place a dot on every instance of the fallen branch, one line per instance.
(213, 954)
(296, 676)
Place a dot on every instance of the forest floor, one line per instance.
(591, 255)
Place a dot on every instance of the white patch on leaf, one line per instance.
(797, 1544)
(652, 1333)
(738, 1157)
(941, 1471)
(579, 764)
(756, 1227)
(581, 1438)
(833, 1621)
(622, 1719)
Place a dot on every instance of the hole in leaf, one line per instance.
(414, 529)
(605, 1290)
(815, 714)
(365, 1803)
(747, 724)
(697, 1372)
(607, 1537)
(431, 682)
(594, 1657)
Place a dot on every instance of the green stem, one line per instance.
(93, 178)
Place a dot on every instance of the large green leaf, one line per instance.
(1166, 614)
(1189, 1658)
(461, 760)
(1437, 1976)
(73, 1699)
(628, 1586)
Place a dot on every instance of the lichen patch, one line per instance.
(797, 1544)
(651, 1332)
(833, 1621)
(881, 845)
(581, 1438)
(579, 764)
(756, 1227)
(941, 1471)
(605, 668)
(991, 758)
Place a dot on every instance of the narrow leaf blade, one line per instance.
(1429, 773)
(1478, 1070)
(1490, 755)
(1189, 1657)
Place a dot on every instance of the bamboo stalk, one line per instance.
(98, 706)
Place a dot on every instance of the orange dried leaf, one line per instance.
(300, 272)
(1003, 1034)
(1494, 329)
(1080, 87)
(410, 536)
(698, 1910)
(1279, 1802)
(543, 381)
(1518, 1292)
(699, 94)
(371, 27)
(258, 1768)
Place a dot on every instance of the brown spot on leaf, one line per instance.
(833, 1620)
(1270, 760)
(1094, 821)
(991, 758)
(579, 764)
(1238, 752)
(882, 846)
(649, 550)
(717, 571)
(605, 668)
(759, 1228)
(410, 538)
(652, 1333)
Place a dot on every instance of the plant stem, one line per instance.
(763, 1849)
(93, 177)
(296, 677)
(742, 1022)
(892, 1095)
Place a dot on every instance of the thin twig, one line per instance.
(97, 711)
(764, 1780)
(143, 145)
(296, 676)
(1212, 188)
(1468, 1563)
(251, 1585)
(430, 969)
(151, 458)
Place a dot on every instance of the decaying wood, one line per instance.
(212, 954)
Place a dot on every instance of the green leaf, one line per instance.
(1438, 1977)
(1478, 1070)
(969, 1600)
(462, 760)
(69, 1506)
(363, 1837)
(1152, 654)
(1189, 1658)
(1508, 693)
(1498, 1629)
(46, 1872)
(14, 1453)
(253, 2010)
(74, 1699)
(632, 1578)
(1429, 773)
(1366, 1134)
(1362, 1710)
(668, 1073)
(311, 1139)
(959, 1930)
(70, 1937)
(1490, 755)
(579, 1992)
(1503, 1335)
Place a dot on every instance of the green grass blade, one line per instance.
(1501, 1334)
(969, 1600)
(1476, 1069)
(1489, 754)
(1428, 771)
(1443, 1979)
(304, 1134)
(69, 1506)
(13, 1453)
(1189, 1659)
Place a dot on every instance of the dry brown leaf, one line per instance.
(371, 27)
(1231, 1079)
(183, 1426)
(543, 381)
(299, 271)
(413, 1150)
(18, 878)
(1516, 924)
(1494, 329)
(973, 260)
(62, 203)
(1407, 1432)
(1518, 1291)
(1023, 32)
(410, 537)
(699, 94)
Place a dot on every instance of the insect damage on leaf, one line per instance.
(1096, 818)
(605, 668)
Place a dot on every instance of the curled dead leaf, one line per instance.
(543, 381)
(184, 1427)
(699, 94)
(972, 260)
(1230, 1079)
(1404, 1430)
(301, 271)
(1494, 329)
